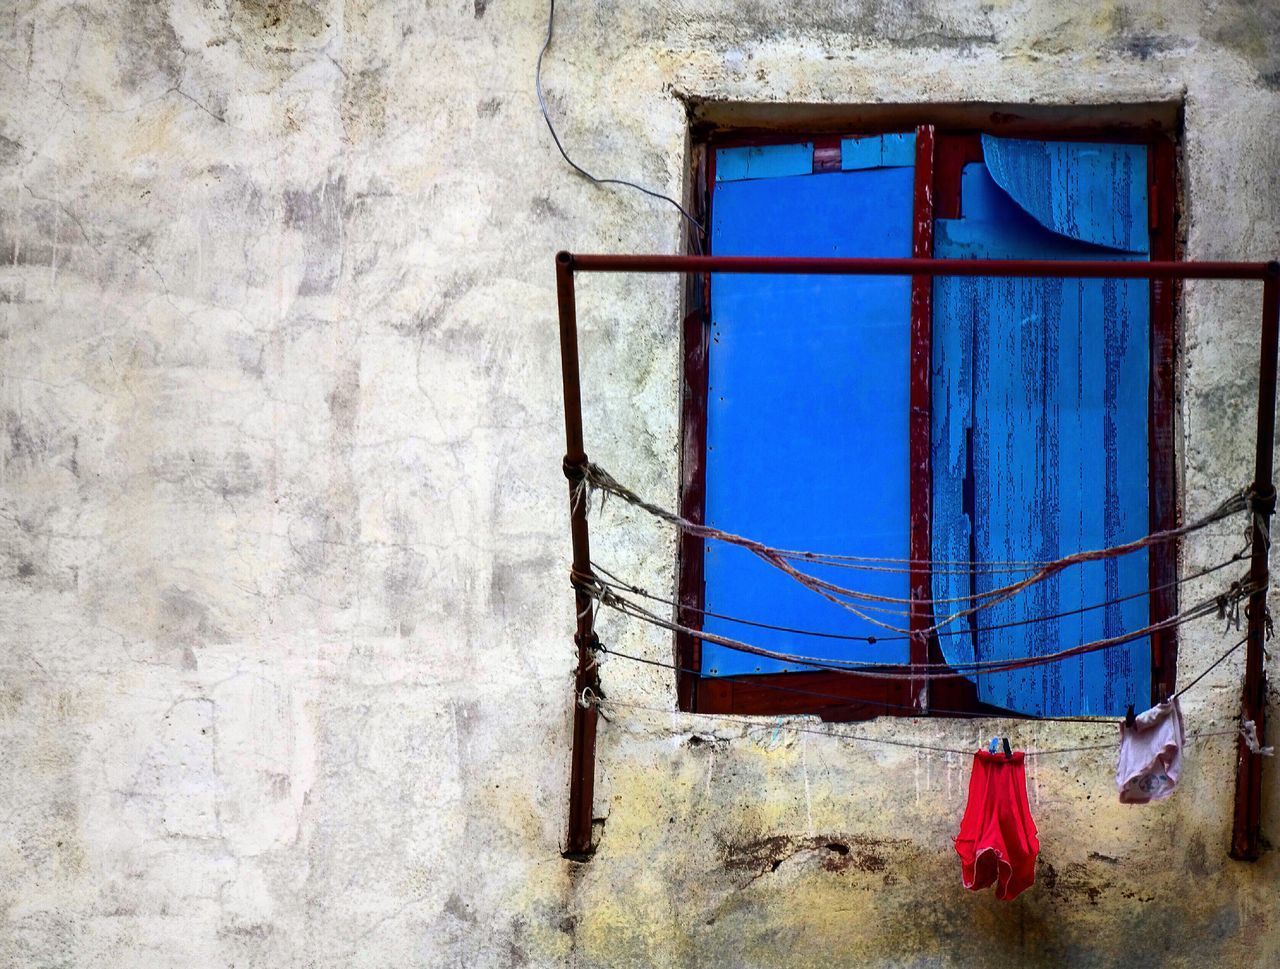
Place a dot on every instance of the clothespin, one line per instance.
(1129, 720)
(1008, 751)
(991, 747)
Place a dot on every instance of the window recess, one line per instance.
(967, 420)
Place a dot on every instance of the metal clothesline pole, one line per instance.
(1025, 268)
(582, 770)
(1246, 828)
(1246, 833)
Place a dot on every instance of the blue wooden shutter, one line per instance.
(807, 403)
(1040, 420)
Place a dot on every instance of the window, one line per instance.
(987, 420)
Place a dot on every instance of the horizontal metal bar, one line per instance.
(1059, 269)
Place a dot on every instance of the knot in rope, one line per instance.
(1249, 731)
(1263, 500)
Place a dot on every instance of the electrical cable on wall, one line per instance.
(546, 116)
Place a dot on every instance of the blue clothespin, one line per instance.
(994, 745)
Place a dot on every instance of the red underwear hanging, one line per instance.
(997, 842)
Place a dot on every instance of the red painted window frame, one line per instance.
(941, 153)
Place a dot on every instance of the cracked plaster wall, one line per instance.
(286, 633)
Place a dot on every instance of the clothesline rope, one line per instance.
(885, 704)
(604, 705)
(920, 671)
(613, 581)
(596, 478)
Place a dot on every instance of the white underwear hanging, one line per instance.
(1151, 754)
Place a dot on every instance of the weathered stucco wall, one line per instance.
(286, 654)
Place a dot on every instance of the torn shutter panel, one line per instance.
(955, 301)
(1040, 449)
(1089, 192)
